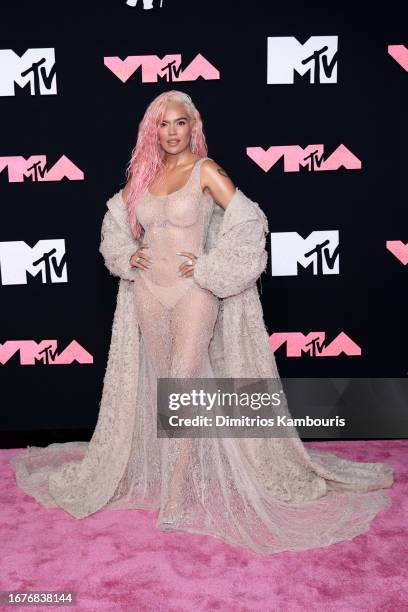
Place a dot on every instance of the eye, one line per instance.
(182, 122)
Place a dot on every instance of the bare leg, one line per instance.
(192, 325)
(154, 321)
(176, 340)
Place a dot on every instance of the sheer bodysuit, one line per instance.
(175, 314)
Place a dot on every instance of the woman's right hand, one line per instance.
(140, 259)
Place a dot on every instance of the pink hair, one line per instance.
(147, 158)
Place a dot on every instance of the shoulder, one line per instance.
(215, 179)
(209, 166)
(212, 171)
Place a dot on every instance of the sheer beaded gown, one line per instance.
(176, 316)
(265, 494)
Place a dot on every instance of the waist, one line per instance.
(166, 270)
(162, 254)
(165, 244)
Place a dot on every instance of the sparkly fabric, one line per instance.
(174, 223)
(268, 495)
(176, 316)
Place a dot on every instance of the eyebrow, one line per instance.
(178, 119)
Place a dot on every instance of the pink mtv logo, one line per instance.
(310, 157)
(314, 344)
(399, 249)
(400, 54)
(35, 168)
(45, 352)
(154, 68)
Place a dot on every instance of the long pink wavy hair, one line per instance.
(148, 157)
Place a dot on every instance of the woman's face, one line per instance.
(175, 129)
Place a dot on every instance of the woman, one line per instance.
(189, 247)
(175, 314)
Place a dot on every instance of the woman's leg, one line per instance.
(176, 341)
(154, 321)
(192, 325)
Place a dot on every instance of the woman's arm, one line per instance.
(215, 180)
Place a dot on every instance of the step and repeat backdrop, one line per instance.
(305, 108)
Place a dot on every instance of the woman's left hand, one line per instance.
(187, 267)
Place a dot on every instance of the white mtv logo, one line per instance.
(46, 258)
(319, 250)
(317, 56)
(35, 67)
(147, 4)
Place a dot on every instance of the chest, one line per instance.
(182, 210)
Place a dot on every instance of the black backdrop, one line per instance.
(92, 119)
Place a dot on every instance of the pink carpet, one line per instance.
(117, 560)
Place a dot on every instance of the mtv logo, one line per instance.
(314, 344)
(312, 157)
(35, 167)
(35, 69)
(317, 58)
(154, 68)
(291, 252)
(47, 258)
(44, 352)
